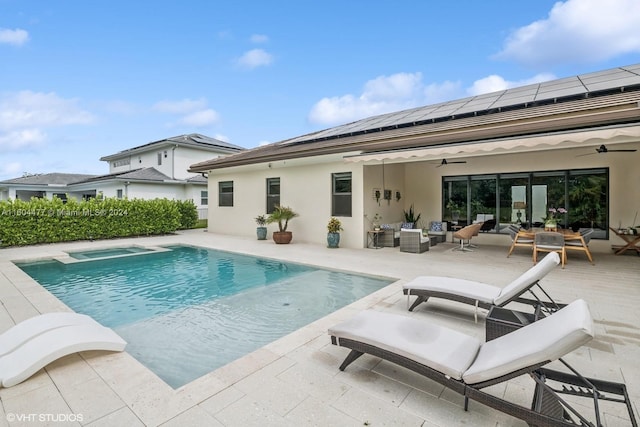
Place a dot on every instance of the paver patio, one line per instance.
(295, 380)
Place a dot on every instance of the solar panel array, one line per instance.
(571, 87)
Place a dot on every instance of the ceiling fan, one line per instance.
(445, 162)
(603, 149)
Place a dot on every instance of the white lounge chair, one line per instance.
(42, 349)
(34, 326)
(466, 365)
(482, 294)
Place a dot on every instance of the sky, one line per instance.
(80, 80)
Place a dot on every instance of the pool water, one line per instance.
(188, 311)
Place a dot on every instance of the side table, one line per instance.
(500, 321)
(373, 238)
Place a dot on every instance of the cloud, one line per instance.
(255, 58)
(193, 112)
(10, 169)
(380, 95)
(15, 37)
(201, 118)
(577, 31)
(180, 107)
(494, 83)
(221, 137)
(259, 38)
(402, 91)
(25, 115)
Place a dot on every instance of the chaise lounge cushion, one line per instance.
(445, 350)
(477, 291)
(547, 339)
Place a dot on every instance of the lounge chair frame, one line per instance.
(548, 409)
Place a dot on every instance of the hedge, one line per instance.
(54, 220)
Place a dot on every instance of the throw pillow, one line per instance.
(386, 226)
(407, 225)
(436, 226)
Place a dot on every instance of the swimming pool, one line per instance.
(187, 311)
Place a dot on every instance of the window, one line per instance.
(225, 193)
(525, 198)
(122, 162)
(273, 194)
(204, 198)
(159, 159)
(341, 194)
(119, 193)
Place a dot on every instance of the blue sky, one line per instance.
(80, 80)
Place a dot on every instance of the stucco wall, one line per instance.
(304, 187)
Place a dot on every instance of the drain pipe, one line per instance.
(173, 161)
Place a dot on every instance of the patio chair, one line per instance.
(464, 235)
(580, 243)
(519, 238)
(549, 241)
(484, 295)
(412, 240)
(466, 366)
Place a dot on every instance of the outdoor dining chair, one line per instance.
(549, 241)
(519, 238)
(580, 243)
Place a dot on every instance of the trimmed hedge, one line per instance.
(52, 220)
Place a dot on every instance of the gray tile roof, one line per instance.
(194, 140)
(142, 174)
(49, 179)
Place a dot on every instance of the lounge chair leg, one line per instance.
(350, 358)
(419, 300)
(466, 403)
(475, 313)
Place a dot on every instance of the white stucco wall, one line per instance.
(305, 187)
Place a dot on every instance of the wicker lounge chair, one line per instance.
(465, 365)
(412, 240)
(484, 295)
(465, 234)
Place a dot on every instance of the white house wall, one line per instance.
(306, 188)
(185, 157)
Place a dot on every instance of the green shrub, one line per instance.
(188, 214)
(52, 220)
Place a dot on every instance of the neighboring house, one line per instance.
(513, 154)
(154, 170)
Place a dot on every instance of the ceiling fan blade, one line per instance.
(445, 162)
(603, 149)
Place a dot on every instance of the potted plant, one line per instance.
(333, 232)
(261, 220)
(411, 218)
(282, 215)
(375, 223)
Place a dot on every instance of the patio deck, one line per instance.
(295, 380)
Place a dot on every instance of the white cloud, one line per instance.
(183, 106)
(25, 115)
(401, 91)
(15, 37)
(221, 137)
(259, 38)
(201, 118)
(24, 138)
(577, 31)
(255, 58)
(494, 83)
(380, 95)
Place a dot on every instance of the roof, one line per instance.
(587, 100)
(142, 174)
(193, 140)
(60, 179)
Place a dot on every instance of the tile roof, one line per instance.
(49, 179)
(194, 140)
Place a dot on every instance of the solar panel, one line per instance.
(569, 87)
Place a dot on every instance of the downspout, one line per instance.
(126, 189)
(173, 161)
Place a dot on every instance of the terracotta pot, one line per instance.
(282, 237)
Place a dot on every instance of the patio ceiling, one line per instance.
(609, 135)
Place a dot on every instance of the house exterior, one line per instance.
(513, 154)
(154, 170)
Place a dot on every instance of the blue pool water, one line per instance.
(188, 311)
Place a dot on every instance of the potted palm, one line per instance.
(261, 230)
(282, 215)
(333, 232)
